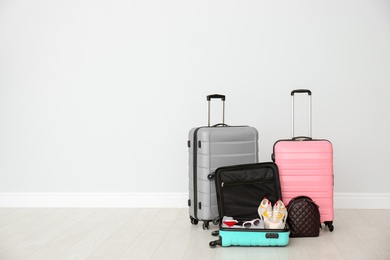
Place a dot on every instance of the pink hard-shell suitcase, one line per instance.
(306, 168)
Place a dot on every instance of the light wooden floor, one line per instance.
(167, 234)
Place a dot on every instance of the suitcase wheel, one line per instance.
(215, 243)
(330, 226)
(206, 224)
(216, 221)
(194, 221)
(215, 233)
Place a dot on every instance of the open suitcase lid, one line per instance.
(241, 188)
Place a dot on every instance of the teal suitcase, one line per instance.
(240, 189)
(260, 237)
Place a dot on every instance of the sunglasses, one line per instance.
(249, 224)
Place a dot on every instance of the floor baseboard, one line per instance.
(94, 200)
(362, 200)
(159, 200)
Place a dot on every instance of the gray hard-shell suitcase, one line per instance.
(211, 147)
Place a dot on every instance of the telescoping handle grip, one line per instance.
(217, 96)
(301, 91)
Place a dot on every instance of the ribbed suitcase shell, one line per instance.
(306, 168)
(209, 149)
(266, 237)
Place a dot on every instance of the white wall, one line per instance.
(98, 96)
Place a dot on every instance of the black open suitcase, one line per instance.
(240, 189)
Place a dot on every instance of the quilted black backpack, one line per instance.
(303, 217)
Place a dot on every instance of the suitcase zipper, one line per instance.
(223, 184)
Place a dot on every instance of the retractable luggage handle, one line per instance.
(308, 92)
(217, 96)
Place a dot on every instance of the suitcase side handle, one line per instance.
(292, 110)
(220, 124)
(216, 96)
(302, 138)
